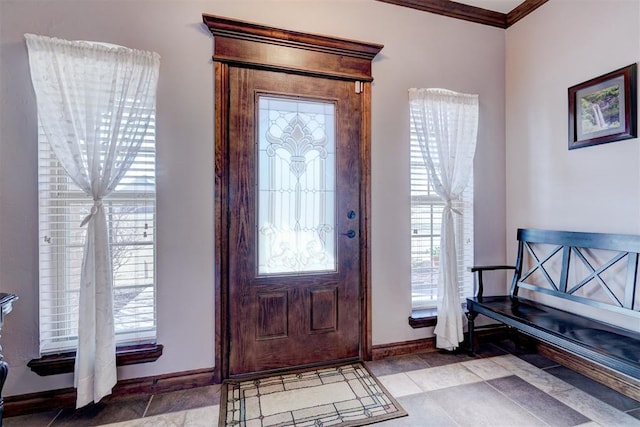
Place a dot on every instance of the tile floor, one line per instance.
(498, 387)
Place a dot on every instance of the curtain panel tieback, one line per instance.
(97, 204)
(449, 206)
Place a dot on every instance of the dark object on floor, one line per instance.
(6, 304)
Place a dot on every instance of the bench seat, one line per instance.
(609, 345)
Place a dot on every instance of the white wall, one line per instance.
(421, 50)
(589, 189)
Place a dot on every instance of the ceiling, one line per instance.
(502, 6)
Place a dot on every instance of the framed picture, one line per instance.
(603, 109)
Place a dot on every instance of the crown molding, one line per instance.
(523, 10)
(470, 13)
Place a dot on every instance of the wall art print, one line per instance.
(603, 109)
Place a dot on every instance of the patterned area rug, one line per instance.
(341, 396)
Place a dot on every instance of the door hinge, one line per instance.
(358, 87)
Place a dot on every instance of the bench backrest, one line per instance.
(597, 269)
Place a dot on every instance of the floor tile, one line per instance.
(480, 405)
(635, 413)
(184, 399)
(539, 378)
(442, 357)
(41, 419)
(544, 406)
(509, 346)
(487, 349)
(443, 377)
(121, 409)
(538, 360)
(486, 369)
(199, 417)
(399, 385)
(423, 412)
(394, 365)
(607, 395)
(595, 409)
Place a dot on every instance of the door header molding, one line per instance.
(253, 45)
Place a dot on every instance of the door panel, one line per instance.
(294, 257)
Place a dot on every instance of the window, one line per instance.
(130, 211)
(426, 217)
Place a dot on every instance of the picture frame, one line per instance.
(603, 109)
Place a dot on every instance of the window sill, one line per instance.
(63, 363)
(423, 318)
(426, 317)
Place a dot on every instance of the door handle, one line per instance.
(350, 234)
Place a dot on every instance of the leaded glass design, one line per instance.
(296, 186)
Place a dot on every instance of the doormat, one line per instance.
(347, 395)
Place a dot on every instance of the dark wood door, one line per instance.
(294, 259)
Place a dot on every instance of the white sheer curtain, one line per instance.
(447, 127)
(95, 102)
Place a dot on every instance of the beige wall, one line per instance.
(421, 50)
(589, 189)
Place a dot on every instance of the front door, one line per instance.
(293, 206)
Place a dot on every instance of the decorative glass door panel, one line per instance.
(296, 186)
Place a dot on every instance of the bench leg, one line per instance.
(515, 338)
(522, 343)
(471, 317)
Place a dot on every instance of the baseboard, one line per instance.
(66, 398)
(383, 351)
(39, 402)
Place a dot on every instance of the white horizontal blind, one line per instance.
(426, 219)
(130, 212)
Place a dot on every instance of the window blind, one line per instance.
(426, 219)
(130, 211)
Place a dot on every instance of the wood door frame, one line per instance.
(243, 44)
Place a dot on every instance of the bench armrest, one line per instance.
(482, 268)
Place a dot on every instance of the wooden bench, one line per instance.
(576, 292)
